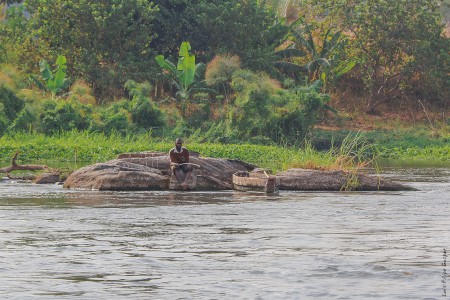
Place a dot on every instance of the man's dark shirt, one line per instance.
(180, 157)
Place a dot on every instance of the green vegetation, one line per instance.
(248, 72)
(350, 151)
(97, 147)
(186, 76)
(54, 81)
(413, 144)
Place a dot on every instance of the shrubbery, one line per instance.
(64, 116)
(10, 107)
(110, 47)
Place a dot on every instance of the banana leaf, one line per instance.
(38, 83)
(46, 73)
(166, 64)
(314, 65)
(60, 80)
(186, 65)
(289, 53)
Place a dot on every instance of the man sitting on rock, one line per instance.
(179, 163)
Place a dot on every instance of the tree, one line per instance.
(304, 55)
(186, 76)
(12, 32)
(53, 81)
(243, 28)
(286, 9)
(395, 41)
(108, 41)
(10, 107)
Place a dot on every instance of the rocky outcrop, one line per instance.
(150, 171)
(117, 175)
(315, 180)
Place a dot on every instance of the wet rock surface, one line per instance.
(47, 178)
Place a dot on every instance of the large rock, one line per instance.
(150, 171)
(117, 175)
(315, 180)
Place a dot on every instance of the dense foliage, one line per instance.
(259, 71)
(399, 46)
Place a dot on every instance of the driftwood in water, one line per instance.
(15, 166)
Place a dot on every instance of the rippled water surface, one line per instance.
(65, 244)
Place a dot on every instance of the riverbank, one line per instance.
(404, 144)
(96, 147)
(327, 149)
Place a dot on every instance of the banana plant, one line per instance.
(186, 76)
(303, 47)
(53, 81)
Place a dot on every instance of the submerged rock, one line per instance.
(150, 171)
(47, 178)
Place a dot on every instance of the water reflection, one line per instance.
(25, 193)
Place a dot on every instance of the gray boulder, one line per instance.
(315, 180)
(117, 175)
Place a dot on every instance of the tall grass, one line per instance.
(354, 153)
(353, 156)
(416, 144)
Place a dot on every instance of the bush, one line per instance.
(64, 116)
(24, 121)
(216, 132)
(11, 105)
(118, 122)
(3, 123)
(114, 118)
(253, 104)
(221, 68)
(82, 92)
(144, 112)
(288, 125)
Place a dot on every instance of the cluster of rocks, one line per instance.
(150, 171)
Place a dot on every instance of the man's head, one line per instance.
(178, 143)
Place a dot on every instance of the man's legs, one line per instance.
(187, 169)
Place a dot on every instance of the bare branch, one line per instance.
(15, 166)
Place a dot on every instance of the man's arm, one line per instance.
(172, 159)
(187, 155)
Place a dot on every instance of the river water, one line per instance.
(66, 244)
